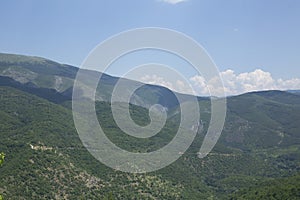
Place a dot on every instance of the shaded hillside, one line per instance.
(36, 72)
(284, 188)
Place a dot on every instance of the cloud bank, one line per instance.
(234, 84)
(175, 85)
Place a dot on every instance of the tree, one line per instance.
(2, 156)
(109, 197)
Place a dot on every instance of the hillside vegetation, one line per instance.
(257, 156)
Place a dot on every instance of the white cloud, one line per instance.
(156, 80)
(175, 85)
(173, 1)
(245, 82)
(289, 84)
(234, 84)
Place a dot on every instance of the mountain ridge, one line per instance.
(45, 159)
(37, 65)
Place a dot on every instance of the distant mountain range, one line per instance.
(40, 76)
(256, 157)
(294, 91)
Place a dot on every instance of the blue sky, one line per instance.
(244, 36)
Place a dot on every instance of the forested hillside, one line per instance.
(257, 156)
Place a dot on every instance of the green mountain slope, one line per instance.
(35, 72)
(265, 119)
(45, 158)
(284, 188)
(257, 156)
